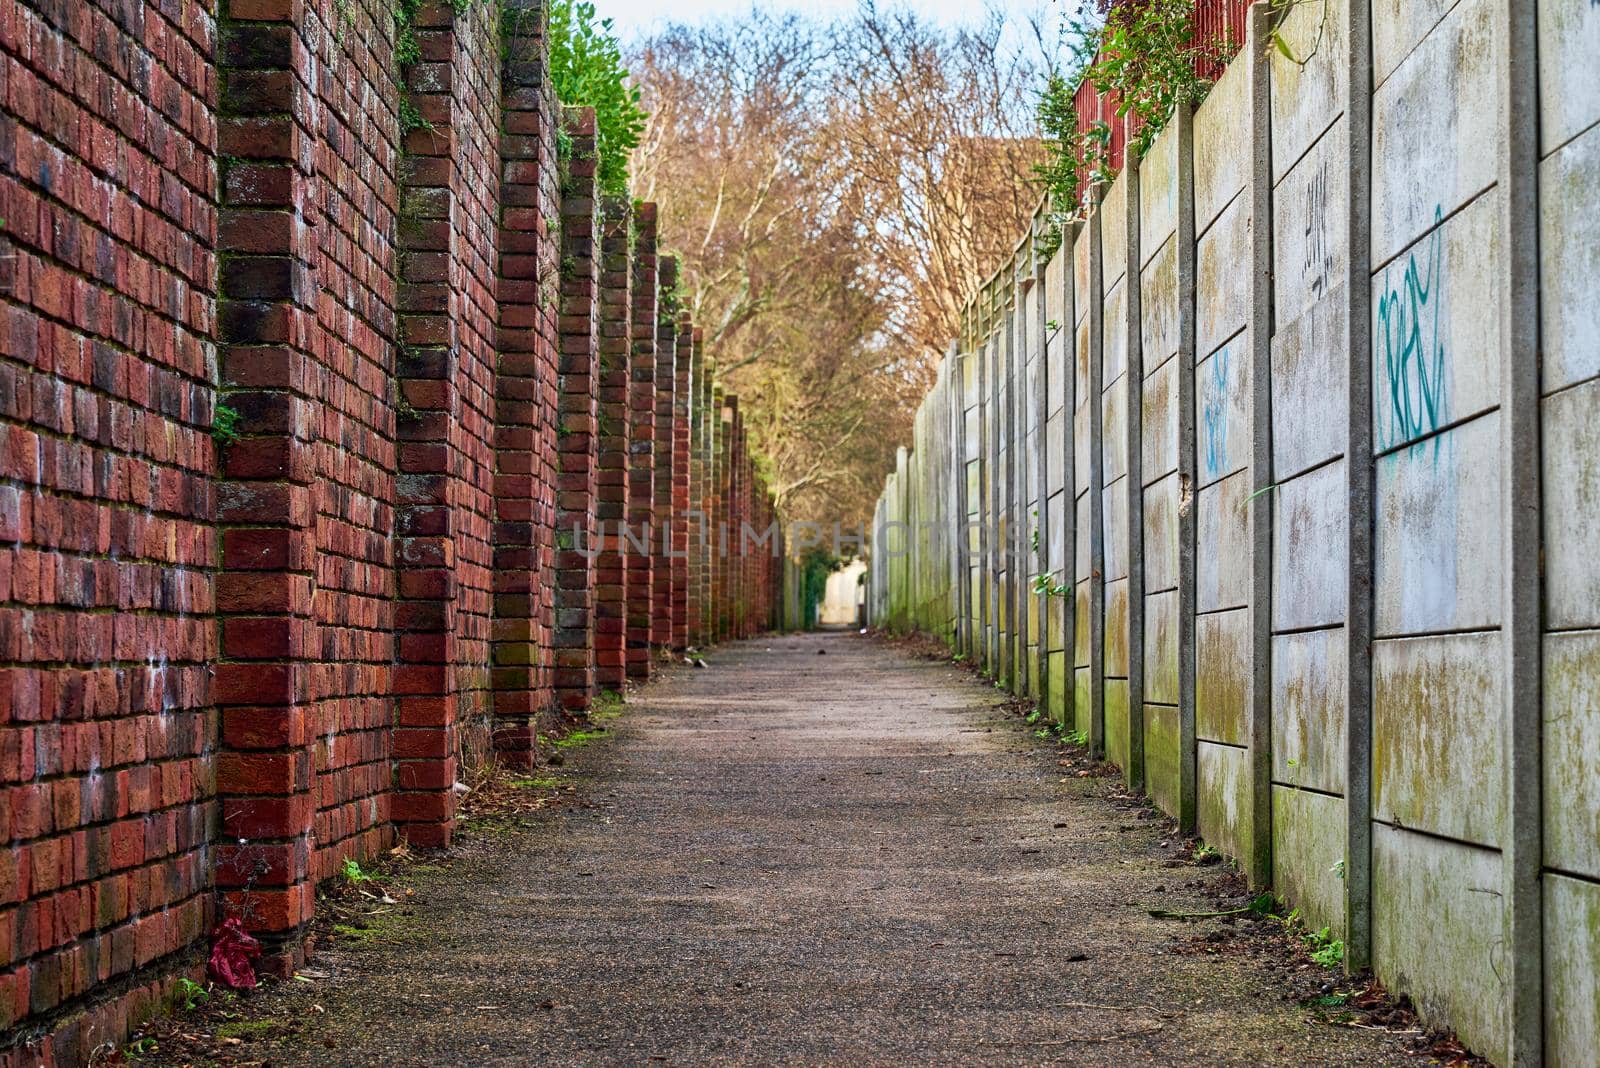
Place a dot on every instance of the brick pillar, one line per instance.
(664, 529)
(681, 504)
(611, 505)
(267, 328)
(717, 485)
(641, 444)
(738, 520)
(706, 496)
(525, 396)
(577, 486)
(699, 560)
(428, 371)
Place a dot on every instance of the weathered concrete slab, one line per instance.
(1439, 931)
(1115, 538)
(1081, 550)
(1081, 457)
(1158, 444)
(1158, 305)
(1569, 256)
(1114, 430)
(1060, 694)
(1223, 795)
(1309, 709)
(1080, 650)
(1438, 729)
(1222, 537)
(1116, 644)
(1569, 92)
(1161, 647)
(1056, 535)
(1310, 206)
(1222, 411)
(1307, 850)
(1310, 395)
(1436, 328)
(1055, 293)
(1572, 970)
(1309, 533)
(1080, 276)
(1058, 369)
(1114, 234)
(1572, 752)
(1161, 741)
(1308, 90)
(1222, 297)
(1117, 722)
(1432, 122)
(1161, 535)
(1222, 676)
(1116, 336)
(1080, 700)
(1438, 533)
(1571, 490)
(1055, 617)
(1397, 27)
(1221, 130)
(1158, 194)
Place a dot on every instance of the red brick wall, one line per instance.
(641, 448)
(527, 397)
(664, 532)
(611, 505)
(354, 194)
(228, 665)
(107, 311)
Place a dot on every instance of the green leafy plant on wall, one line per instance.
(1144, 55)
(586, 70)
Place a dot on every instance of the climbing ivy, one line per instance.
(587, 70)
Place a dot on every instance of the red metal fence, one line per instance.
(1219, 29)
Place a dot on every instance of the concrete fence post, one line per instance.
(1188, 474)
(1358, 472)
(1258, 865)
(1521, 543)
(1133, 482)
(1097, 518)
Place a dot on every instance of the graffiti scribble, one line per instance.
(1318, 263)
(1410, 356)
(1214, 413)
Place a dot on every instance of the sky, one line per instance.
(636, 18)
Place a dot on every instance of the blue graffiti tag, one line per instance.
(1410, 383)
(1214, 413)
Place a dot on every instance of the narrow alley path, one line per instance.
(812, 858)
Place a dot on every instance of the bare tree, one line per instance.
(835, 191)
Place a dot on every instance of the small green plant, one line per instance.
(587, 70)
(1075, 737)
(224, 425)
(1033, 717)
(1204, 853)
(411, 117)
(1045, 585)
(1326, 951)
(1051, 325)
(189, 993)
(353, 873)
(1338, 868)
(141, 1047)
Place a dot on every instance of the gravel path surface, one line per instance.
(801, 858)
